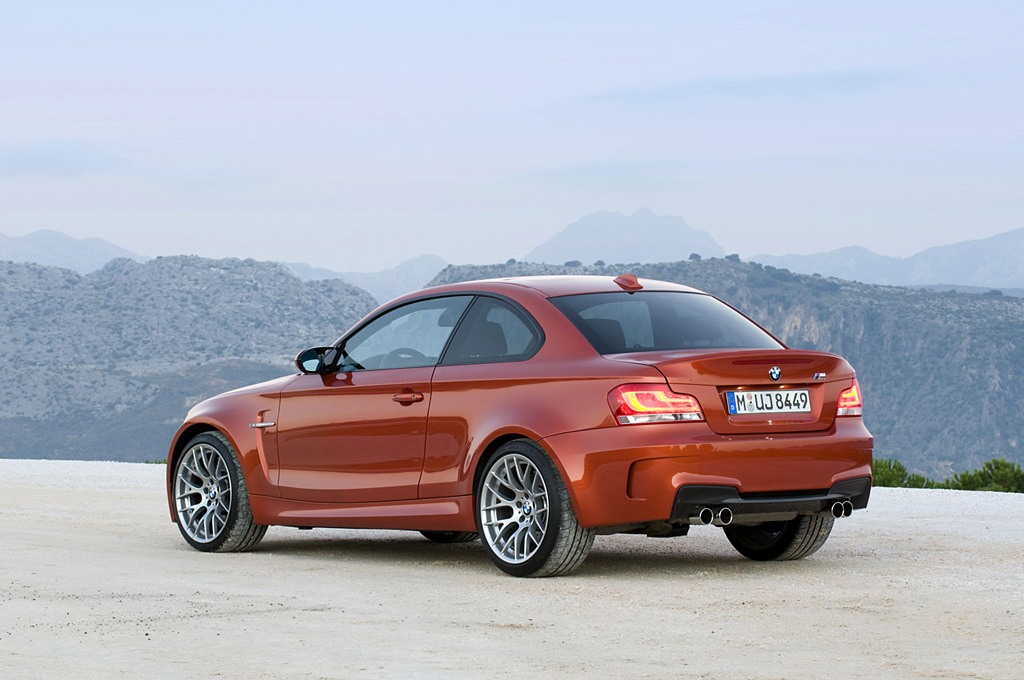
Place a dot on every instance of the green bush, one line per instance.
(891, 472)
(995, 475)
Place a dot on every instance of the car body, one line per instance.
(587, 404)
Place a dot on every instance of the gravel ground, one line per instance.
(95, 582)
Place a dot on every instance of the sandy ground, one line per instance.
(95, 582)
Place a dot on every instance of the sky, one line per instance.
(356, 135)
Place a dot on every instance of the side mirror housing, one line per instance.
(314, 360)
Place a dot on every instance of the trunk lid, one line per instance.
(710, 377)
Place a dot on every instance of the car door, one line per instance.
(481, 385)
(357, 433)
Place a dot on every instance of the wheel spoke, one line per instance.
(514, 508)
(202, 493)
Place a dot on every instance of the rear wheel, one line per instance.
(526, 518)
(210, 497)
(451, 536)
(789, 540)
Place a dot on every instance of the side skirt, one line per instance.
(454, 513)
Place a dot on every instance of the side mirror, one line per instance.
(314, 359)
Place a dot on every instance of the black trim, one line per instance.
(763, 507)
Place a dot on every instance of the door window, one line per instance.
(409, 336)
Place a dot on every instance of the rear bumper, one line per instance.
(691, 498)
(633, 474)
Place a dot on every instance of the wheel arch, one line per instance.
(506, 437)
(186, 434)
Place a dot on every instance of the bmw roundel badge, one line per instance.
(774, 373)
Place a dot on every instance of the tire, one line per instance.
(527, 523)
(451, 536)
(789, 540)
(205, 474)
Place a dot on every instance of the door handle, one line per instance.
(407, 398)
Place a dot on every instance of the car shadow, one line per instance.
(609, 558)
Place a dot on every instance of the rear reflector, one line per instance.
(849, 401)
(646, 403)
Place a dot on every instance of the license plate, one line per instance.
(774, 401)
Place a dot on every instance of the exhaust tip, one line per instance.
(839, 509)
(847, 508)
(725, 517)
(706, 516)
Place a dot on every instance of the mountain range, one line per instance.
(996, 262)
(52, 248)
(384, 285)
(993, 262)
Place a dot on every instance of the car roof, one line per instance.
(553, 286)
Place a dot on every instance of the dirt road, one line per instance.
(95, 582)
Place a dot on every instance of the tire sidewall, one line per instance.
(549, 473)
(228, 454)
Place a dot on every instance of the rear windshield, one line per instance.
(660, 321)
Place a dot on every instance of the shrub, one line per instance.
(891, 472)
(995, 475)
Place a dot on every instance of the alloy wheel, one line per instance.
(202, 492)
(514, 508)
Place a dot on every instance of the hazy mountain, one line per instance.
(942, 373)
(383, 285)
(104, 366)
(852, 263)
(617, 238)
(993, 262)
(55, 249)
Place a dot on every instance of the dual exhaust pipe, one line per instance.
(722, 517)
(840, 509)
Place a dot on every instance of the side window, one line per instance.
(493, 331)
(409, 336)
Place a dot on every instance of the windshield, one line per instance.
(660, 321)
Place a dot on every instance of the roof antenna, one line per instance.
(628, 282)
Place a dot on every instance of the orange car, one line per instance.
(535, 413)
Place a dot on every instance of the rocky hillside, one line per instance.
(105, 365)
(942, 373)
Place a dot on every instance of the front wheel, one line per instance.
(210, 497)
(525, 515)
(788, 540)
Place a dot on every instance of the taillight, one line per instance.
(634, 404)
(849, 401)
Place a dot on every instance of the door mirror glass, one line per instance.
(312, 359)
